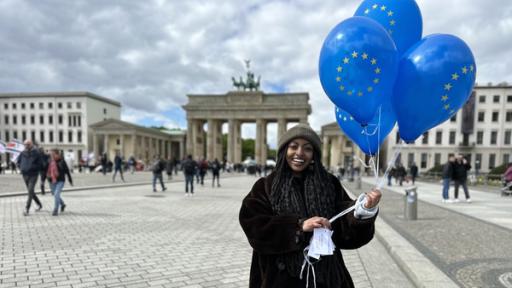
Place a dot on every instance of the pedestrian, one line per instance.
(104, 164)
(169, 168)
(176, 163)
(391, 173)
(400, 173)
(45, 161)
(158, 167)
(198, 171)
(281, 211)
(447, 177)
(118, 166)
(414, 172)
(203, 168)
(507, 180)
(460, 173)
(216, 172)
(14, 169)
(189, 169)
(56, 173)
(131, 164)
(29, 162)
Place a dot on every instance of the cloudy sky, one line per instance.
(149, 54)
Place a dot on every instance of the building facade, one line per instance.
(55, 120)
(338, 150)
(481, 130)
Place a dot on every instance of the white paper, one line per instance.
(321, 243)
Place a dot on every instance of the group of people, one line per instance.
(456, 170)
(399, 172)
(34, 164)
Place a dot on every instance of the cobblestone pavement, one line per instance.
(132, 237)
(472, 252)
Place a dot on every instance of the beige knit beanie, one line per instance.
(301, 131)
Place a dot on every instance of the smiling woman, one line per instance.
(282, 210)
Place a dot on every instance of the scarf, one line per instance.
(307, 196)
(53, 171)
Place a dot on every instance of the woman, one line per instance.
(281, 211)
(57, 170)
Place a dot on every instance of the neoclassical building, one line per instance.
(338, 149)
(236, 108)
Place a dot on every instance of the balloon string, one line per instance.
(390, 163)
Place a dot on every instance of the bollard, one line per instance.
(411, 203)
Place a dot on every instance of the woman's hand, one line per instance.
(372, 198)
(315, 222)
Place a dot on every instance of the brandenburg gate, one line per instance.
(246, 105)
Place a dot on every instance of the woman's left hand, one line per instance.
(372, 198)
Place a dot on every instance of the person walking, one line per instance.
(447, 177)
(460, 172)
(189, 169)
(56, 173)
(29, 162)
(118, 167)
(283, 209)
(216, 172)
(158, 167)
(104, 164)
(45, 161)
(414, 172)
(169, 168)
(131, 164)
(400, 173)
(203, 168)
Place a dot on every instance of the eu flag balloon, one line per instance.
(368, 138)
(357, 66)
(401, 19)
(435, 78)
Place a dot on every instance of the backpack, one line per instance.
(156, 167)
(189, 167)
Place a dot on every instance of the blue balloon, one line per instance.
(358, 65)
(368, 138)
(401, 19)
(435, 78)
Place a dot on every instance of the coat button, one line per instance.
(281, 266)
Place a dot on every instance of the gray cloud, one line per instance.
(150, 54)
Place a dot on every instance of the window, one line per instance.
(105, 111)
(32, 105)
(480, 137)
(41, 136)
(481, 116)
(69, 105)
(23, 119)
(60, 120)
(79, 120)
(495, 116)
(410, 158)
(6, 106)
(61, 136)
(79, 136)
(59, 105)
(509, 99)
(32, 119)
(492, 161)
(508, 116)
(51, 137)
(41, 119)
(50, 105)
(6, 121)
(33, 135)
(70, 137)
(494, 137)
(481, 99)
(41, 105)
(452, 137)
(23, 106)
(14, 106)
(439, 137)
(506, 158)
(7, 136)
(437, 159)
(424, 160)
(454, 118)
(23, 135)
(69, 121)
(14, 119)
(15, 134)
(78, 105)
(424, 140)
(348, 144)
(50, 119)
(508, 137)
(397, 138)
(496, 99)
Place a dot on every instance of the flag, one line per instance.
(2, 147)
(15, 147)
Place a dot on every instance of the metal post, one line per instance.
(411, 203)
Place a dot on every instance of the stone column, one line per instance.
(264, 143)
(238, 142)
(198, 136)
(105, 144)
(190, 137)
(95, 145)
(211, 139)
(231, 141)
(182, 150)
(218, 142)
(121, 144)
(304, 120)
(281, 128)
(134, 149)
(325, 151)
(335, 152)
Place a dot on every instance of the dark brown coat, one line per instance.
(271, 236)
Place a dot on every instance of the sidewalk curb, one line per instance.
(415, 265)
